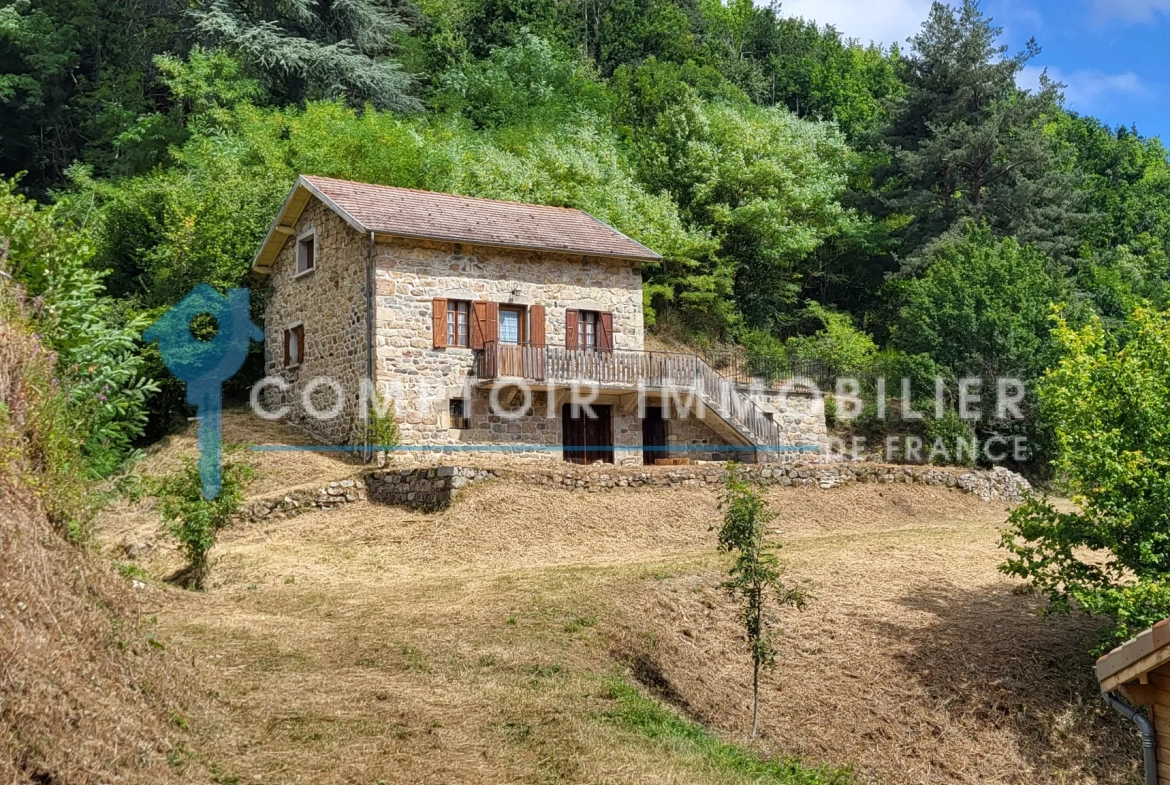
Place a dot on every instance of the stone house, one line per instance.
(493, 327)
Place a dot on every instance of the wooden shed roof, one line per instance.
(1135, 658)
(426, 215)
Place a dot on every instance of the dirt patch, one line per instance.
(277, 470)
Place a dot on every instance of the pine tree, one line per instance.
(966, 143)
(315, 48)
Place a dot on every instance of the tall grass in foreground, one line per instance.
(645, 716)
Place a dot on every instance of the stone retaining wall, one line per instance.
(294, 503)
(427, 489)
(434, 488)
(997, 484)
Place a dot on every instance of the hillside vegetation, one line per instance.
(88, 692)
(904, 211)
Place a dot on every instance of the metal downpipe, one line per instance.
(1139, 718)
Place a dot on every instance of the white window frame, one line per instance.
(295, 362)
(452, 308)
(306, 235)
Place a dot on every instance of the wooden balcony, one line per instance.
(605, 368)
(631, 371)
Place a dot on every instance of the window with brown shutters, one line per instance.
(450, 323)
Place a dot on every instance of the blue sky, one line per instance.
(1113, 55)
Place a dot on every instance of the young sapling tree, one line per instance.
(194, 521)
(754, 578)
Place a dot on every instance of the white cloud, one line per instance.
(885, 21)
(1086, 90)
(1133, 10)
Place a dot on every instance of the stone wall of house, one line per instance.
(331, 303)
(423, 379)
(689, 436)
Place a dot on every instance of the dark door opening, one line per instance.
(587, 439)
(653, 435)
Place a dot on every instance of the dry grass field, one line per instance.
(497, 642)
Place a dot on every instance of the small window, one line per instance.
(306, 253)
(459, 418)
(587, 327)
(294, 346)
(458, 323)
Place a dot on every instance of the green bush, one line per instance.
(838, 346)
(1110, 409)
(382, 425)
(194, 521)
(91, 344)
(948, 440)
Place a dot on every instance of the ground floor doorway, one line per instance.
(587, 433)
(653, 435)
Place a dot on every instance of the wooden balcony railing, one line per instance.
(669, 371)
(605, 367)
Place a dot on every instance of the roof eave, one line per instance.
(286, 220)
(651, 255)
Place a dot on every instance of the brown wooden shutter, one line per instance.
(300, 331)
(536, 325)
(287, 341)
(492, 327)
(479, 319)
(439, 322)
(605, 331)
(571, 329)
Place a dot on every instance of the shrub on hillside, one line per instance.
(1111, 410)
(91, 345)
(194, 521)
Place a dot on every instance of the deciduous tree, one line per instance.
(755, 575)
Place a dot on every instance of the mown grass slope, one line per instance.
(556, 636)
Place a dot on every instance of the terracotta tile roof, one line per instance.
(425, 214)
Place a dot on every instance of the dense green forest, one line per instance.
(907, 212)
